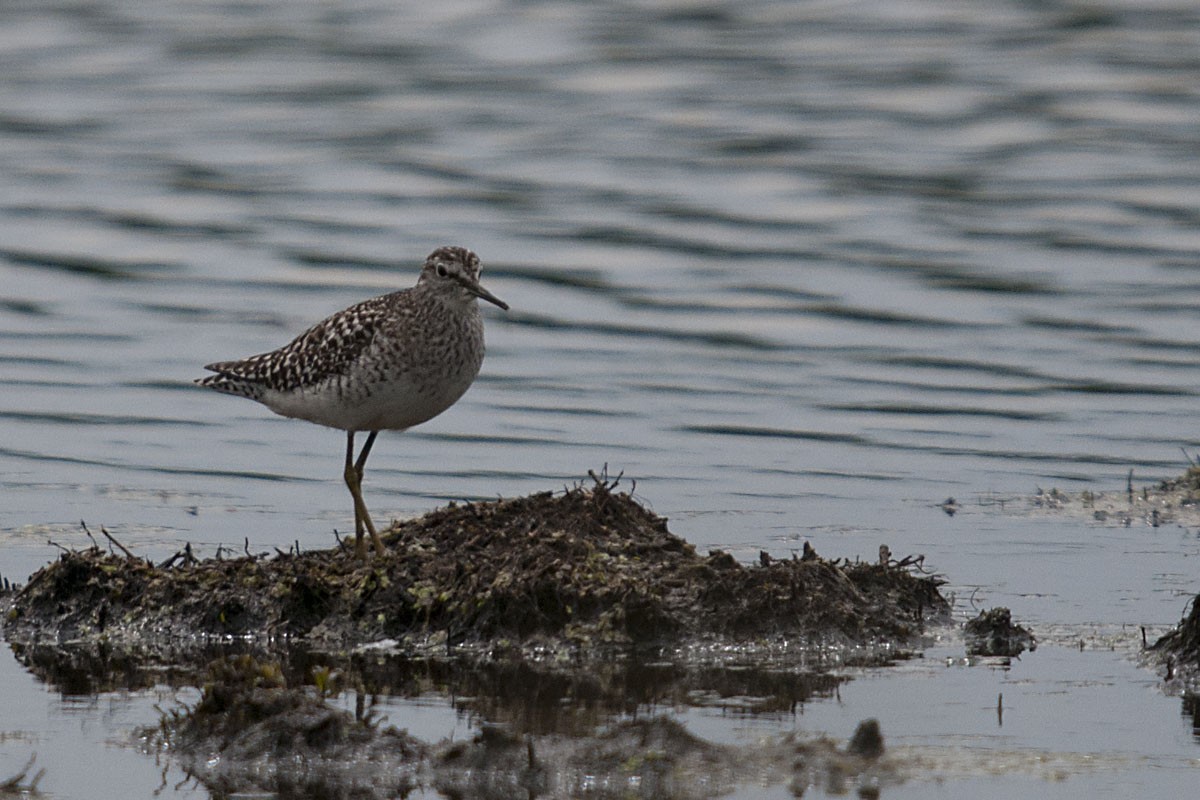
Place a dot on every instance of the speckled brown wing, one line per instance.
(327, 349)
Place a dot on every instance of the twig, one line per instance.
(914, 561)
(83, 525)
(119, 546)
(14, 786)
(185, 555)
(602, 478)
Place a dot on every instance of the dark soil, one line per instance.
(587, 571)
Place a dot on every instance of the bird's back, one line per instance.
(390, 362)
(327, 349)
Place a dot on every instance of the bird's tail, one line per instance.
(232, 384)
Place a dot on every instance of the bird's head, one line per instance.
(455, 270)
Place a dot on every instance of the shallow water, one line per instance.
(802, 271)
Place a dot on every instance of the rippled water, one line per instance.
(802, 270)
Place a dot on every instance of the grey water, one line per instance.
(802, 270)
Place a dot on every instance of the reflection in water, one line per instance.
(1191, 712)
(528, 697)
(543, 699)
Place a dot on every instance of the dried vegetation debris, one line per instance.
(587, 569)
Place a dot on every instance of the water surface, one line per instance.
(802, 271)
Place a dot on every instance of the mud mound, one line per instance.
(1179, 650)
(993, 633)
(588, 570)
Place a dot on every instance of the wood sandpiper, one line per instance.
(387, 363)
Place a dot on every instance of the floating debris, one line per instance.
(1171, 502)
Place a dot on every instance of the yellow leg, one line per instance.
(353, 475)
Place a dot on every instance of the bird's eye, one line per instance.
(442, 271)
